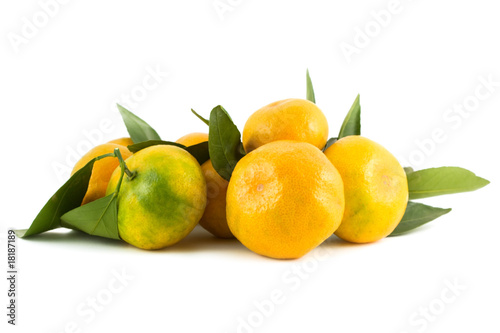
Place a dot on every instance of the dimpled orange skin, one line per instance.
(284, 199)
(123, 141)
(214, 218)
(102, 170)
(376, 189)
(192, 139)
(289, 119)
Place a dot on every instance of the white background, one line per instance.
(62, 81)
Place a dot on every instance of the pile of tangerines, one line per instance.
(285, 196)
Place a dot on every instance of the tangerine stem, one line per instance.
(129, 174)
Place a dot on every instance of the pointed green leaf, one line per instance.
(199, 151)
(200, 117)
(310, 90)
(445, 180)
(145, 144)
(352, 122)
(138, 129)
(330, 142)
(224, 142)
(417, 214)
(98, 218)
(67, 197)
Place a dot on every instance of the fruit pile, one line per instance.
(281, 188)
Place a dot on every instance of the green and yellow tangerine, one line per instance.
(164, 201)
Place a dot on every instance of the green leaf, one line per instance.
(145, 144)
(138, 129)
(310, 89)
(199, 151)
(330, 142)
(352, 122)
(200, 117)
(224, 142)
(241, 149)
(67, 197)
(445, 180)
(98, 217)
(417, 214)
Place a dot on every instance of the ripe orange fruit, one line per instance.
(164, 201)
(376, 189)
(289, 119)
(284, 199)
(123, 141)
(192, 139)
(214, 219)
(102, 170)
